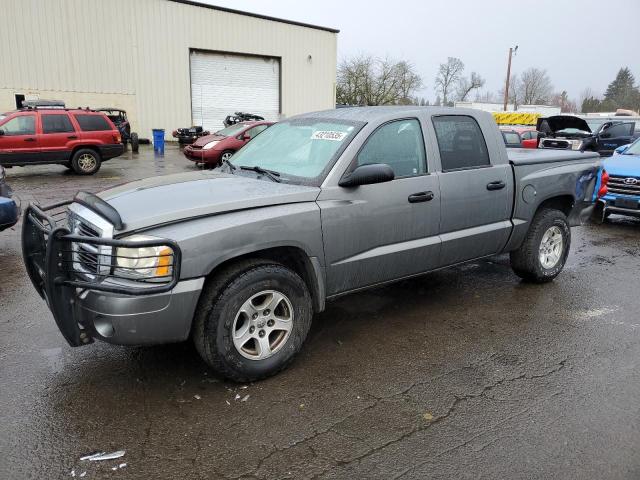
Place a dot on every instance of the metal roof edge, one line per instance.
(194, 3)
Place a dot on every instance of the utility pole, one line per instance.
(506, 88)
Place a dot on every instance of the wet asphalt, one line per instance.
(463, 373)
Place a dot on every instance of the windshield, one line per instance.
(304, 148)
(634, 149)
(232, 131)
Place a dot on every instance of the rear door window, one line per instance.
(58, 123)
(461, 142)
(22, 125)
(92, 123)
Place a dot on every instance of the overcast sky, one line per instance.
(581, 43)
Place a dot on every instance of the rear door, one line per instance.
(476, 190)
(614, 136)
(19, 140)
(58, 136)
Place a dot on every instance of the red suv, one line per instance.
(212, 149)
(79, 139)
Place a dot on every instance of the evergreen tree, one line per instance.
(622, 92)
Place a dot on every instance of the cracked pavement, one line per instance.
(463, 373)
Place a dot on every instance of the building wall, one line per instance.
(135, 55)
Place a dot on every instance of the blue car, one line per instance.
(9, 209)
(623, 196)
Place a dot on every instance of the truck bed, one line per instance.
(525, 156)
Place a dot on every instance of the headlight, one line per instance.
(148, 263)
(210, 145)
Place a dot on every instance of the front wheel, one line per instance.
(542, 255)
(252, 320)
(85, 162)
(226, 156)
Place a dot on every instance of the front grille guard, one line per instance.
(47, 248)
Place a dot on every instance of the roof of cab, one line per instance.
(381, 113)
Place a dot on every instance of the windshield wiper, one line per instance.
(272, 174)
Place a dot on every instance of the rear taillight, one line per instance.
(604, 180)
(117, 137)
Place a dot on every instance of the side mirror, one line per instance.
(367, 175)
(622, 148)
(246, 138)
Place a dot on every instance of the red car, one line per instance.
(212, 149)
(79, 139)
(528, 135)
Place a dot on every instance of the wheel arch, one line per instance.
(293, 257)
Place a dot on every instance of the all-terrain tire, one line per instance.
(135, 142)
(86, 161)
(526, 261)
(220, 302)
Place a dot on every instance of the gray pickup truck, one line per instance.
(317, 206)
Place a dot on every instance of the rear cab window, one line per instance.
(92, 123)
(461, 143)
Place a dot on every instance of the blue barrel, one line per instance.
(158, 140)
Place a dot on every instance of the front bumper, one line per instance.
(613, 204)
(103, 306)
(199, 155)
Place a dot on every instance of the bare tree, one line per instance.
(467, 84)
(534, 87)
(366, 80)
(562, 100)
(448, 75)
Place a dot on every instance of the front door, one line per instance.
(381, 232)
(614, 136)
(18, 140)
(477, 195)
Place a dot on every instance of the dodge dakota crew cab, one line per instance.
(319, 205)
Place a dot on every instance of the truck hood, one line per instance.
(555, 123)
(623, 165)
(171, 198)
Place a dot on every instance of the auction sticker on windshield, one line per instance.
(329, 135)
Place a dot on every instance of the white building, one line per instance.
(169, 63)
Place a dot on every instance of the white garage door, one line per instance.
(222, 84)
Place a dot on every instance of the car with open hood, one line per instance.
(569, 132)
(241, 257)
(213, 149)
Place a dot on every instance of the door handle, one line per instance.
(72, 137)
(497, 185)
(29, 139)
(421, 197)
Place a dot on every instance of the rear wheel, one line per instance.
(542, 255)
(134, 142)
(252, 320)
(86, 161)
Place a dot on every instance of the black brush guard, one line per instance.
(47, 249)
